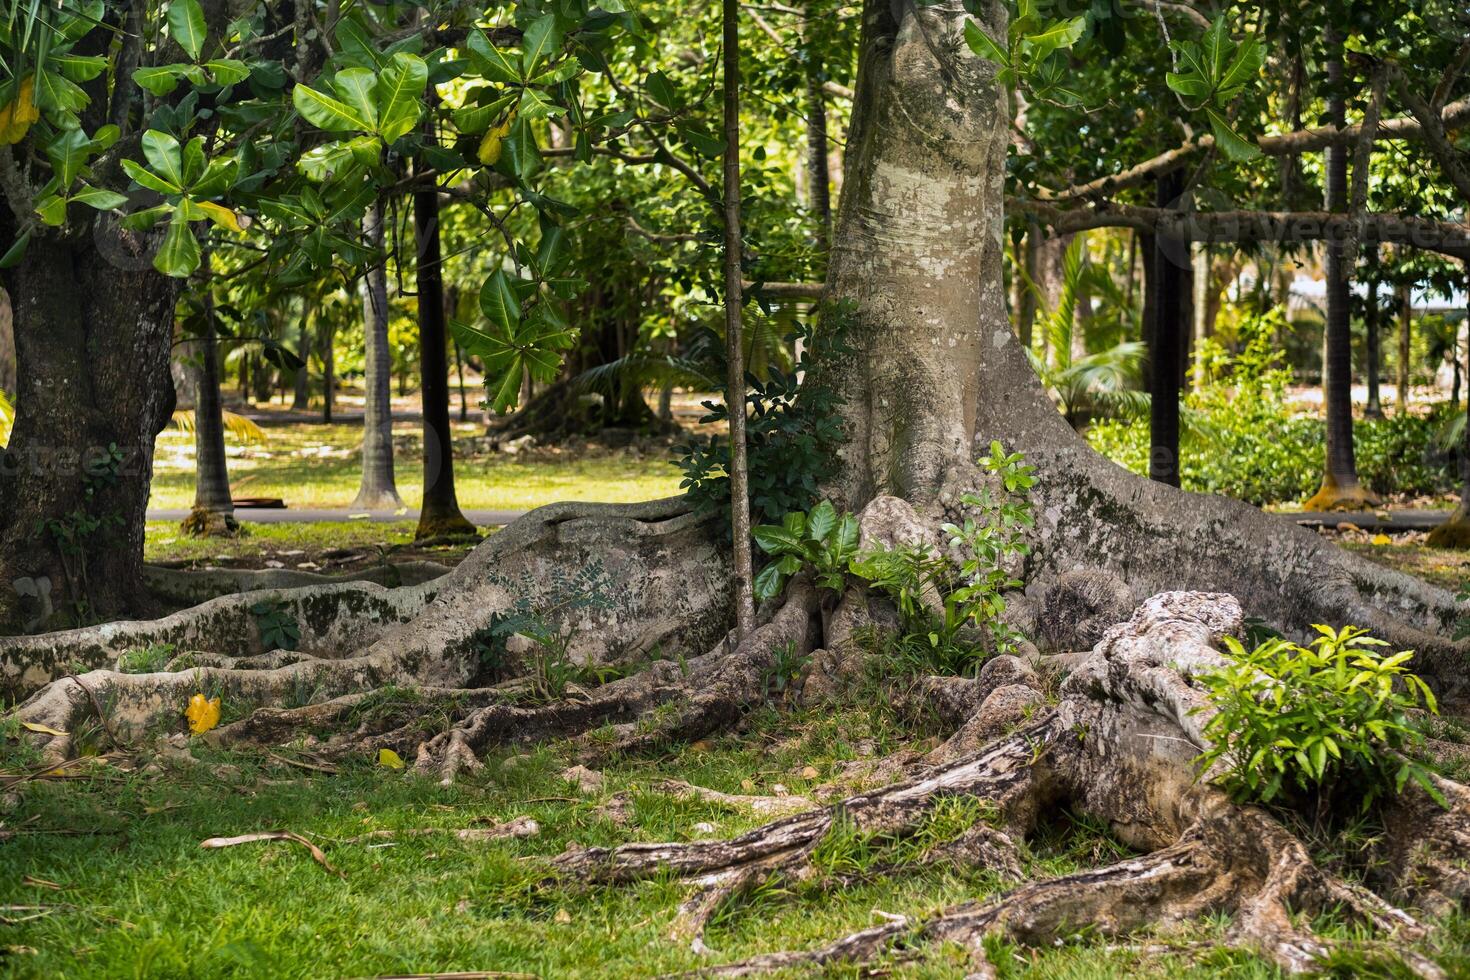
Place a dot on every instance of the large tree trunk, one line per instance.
(378, 490)
(440, 514)
(1340, 488)
(92, 339)
(1168, 330)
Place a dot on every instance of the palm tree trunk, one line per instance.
(1166, 348)
(214, 509)
(378, 489)
(1340, 488)
(1406, 329)
(440, 513)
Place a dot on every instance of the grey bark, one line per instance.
(377, 490)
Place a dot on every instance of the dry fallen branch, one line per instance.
(316, 852)
(519, 827)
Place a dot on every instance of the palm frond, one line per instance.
(1062, 321)
(243, 429)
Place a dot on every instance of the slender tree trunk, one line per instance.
(819, 180)
(734, 345)
(378, 489)
(1406, 333)
(464, 401)
(1372, 324)
(1026, 304)
(1340, 488)
(1167, 350)
(302, 401)
(214, 508)
(92, 341)
(440, 514)
(329, 371)
(1202, 278)
(245, 377)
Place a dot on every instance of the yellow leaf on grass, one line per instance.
(1381, 539)
(389, 758)
(17, 116)
(43, 729)
(221, 215)
(203, 714)
(491, 145)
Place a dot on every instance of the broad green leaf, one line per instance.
(400, 95)
(821, 520)
(222, 216)
(78, 67)
(541, 40)
(102, 200)
(1234, 146)
(534, 105)
(325, 112)
(774, 539)
(228, 71)
(16, 251)
(193, 159)
(356, 88)
(1250, 55)
(186, 25)
(768, 582)
(179, 255)
(52, 209)
(159, 79)
(68, 153)
(498, 302)
(162, 152)
(662, 90)
(57, 93)
(1056, 36)
(1189, 85)
(491, 61)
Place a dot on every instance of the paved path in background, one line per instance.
(311, 515)
(1397, 520)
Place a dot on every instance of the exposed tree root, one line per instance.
(189, 587)
(1119, 747)
(662, 591)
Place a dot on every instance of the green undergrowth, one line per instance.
(136, 896)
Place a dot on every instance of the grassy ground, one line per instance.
(132, 893)
(337, 544)
(315, 465)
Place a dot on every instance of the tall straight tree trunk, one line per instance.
(302, 400)
(1372, 325)
(1340, 488)
(1406, 336)
(214, 508)
(329, 371)
(378, 489)
(1202, 274)
(1455, 533)
(92, 339)
(1167, 349)
(440, 514)
(734, 345)
(1026, 302)
(819, 179)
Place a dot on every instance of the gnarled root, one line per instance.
(1118, 747)
(664, 582)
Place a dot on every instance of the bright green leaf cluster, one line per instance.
(821, 539)
(1332, 717)
(1213, 72)
(1030, 43)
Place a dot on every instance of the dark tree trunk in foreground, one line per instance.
(378, 489)
(1173, 279)
(92, 334)
(440, 514)
(214, 508)
(1340, 488)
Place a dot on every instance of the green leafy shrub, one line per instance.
(1319, 720)
(793, 431)
(970, 593)
(822, 539)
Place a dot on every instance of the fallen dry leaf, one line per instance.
(43, 729)
(389, 758)
(316, 852)
(203, 713)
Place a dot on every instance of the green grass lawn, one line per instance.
(133, 894)
(314, 465)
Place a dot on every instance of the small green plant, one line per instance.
(1294, 722)
(822, 539)
(939, 600)
(277, 624)
(786, 667)
(146, 660)
(548, 664)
